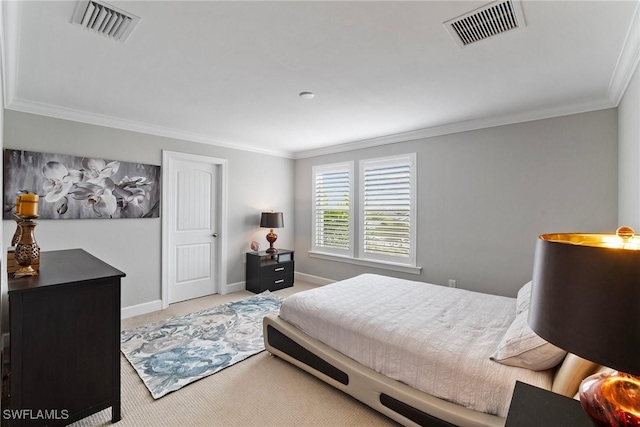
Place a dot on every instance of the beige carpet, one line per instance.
(259, 391)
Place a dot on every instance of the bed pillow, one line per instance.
(523, 299)
(521, 347)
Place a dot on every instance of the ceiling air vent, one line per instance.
(486, 22)
(104, 19)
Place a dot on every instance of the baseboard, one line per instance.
(315, 280)
(139, 309)
(148, 307)
(151, 306)
(233, 287)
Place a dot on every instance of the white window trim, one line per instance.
(403, 268)
(362, 255)
(349, 166)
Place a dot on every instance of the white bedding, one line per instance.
(433, 338)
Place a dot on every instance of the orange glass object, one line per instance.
(612, 399)
(18, 205)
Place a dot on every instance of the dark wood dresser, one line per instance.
(269, 272)
(65, 340)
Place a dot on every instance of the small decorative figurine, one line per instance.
(255, 246)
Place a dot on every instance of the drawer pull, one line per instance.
(279, 269)
(279, 281)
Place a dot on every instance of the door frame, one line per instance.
(220, 262)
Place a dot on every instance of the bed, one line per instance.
(422, 354)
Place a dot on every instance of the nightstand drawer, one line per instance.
(279, 282)
(277, 269)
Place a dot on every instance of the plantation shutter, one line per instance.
(387, 209)
(333, 189)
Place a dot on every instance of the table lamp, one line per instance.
(585, 299)
(271, 220)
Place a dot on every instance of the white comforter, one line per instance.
(433, 338)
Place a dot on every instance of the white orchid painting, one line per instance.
(81, 187)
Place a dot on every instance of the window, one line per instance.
(332, 213)
(387, 209)
(384, 230)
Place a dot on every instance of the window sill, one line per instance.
(367, 263)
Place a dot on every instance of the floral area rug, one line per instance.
(173, 353)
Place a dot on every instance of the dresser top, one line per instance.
(65, 266)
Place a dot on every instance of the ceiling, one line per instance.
(229, 73)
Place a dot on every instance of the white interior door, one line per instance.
(192, 223)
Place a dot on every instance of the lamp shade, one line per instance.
(271, 220)
(585, 297)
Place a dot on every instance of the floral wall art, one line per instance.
(81, 187)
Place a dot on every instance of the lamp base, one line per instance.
(271, 238)
(611, 399)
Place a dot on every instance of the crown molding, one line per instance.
(464, 126)
(627, 61)
(468, 125)
(58, 112)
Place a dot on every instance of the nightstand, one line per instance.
(534, 407)
(269, 271)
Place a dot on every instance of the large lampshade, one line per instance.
(585, 299)
(271, 220)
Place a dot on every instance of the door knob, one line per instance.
(214, 235)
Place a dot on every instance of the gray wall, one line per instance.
(256, 182)
(629, 155)
(485, 195)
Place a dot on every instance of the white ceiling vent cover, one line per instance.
(486, 22)
(104, 19)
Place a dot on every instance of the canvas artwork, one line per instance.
(73, 187)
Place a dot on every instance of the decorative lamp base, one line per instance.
(611, 399)
(271, 238)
